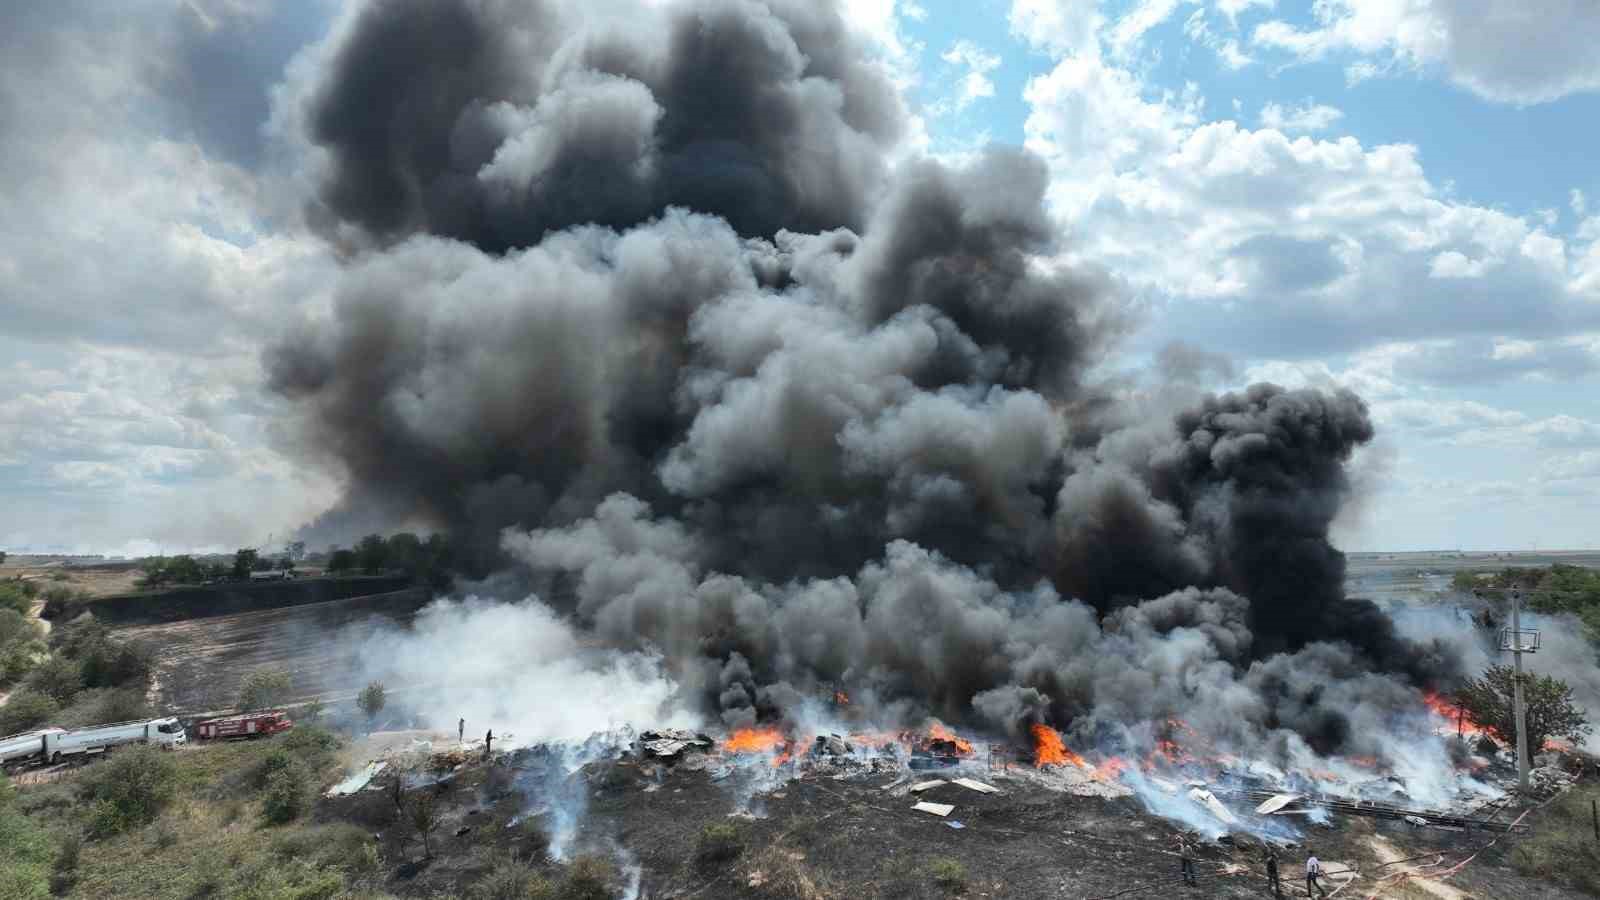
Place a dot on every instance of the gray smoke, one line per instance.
(643, 310)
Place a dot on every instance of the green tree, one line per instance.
(57, 678)
(264, 689)
(341, 561)
(422, 812)
(1551, 711)
(184, 570)
(26, 710)
(372, 554)
(129, 789)
(1464, 582)
(14, 594)
(371, 701)
(244, 562)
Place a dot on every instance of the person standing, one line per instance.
(1272, 873)
(461, 731)
(488, 744)
(1186, 857)
(1313, 872)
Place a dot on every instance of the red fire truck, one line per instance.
(247, 725)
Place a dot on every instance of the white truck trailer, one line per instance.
(60, 744)
(19, 747)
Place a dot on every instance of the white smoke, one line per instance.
(519, 669)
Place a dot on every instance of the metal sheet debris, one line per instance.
(938, 809)
(956, 825)
(921, 786)
(978, 786)
(1275, 803)
(357, 781)
(1213, 805)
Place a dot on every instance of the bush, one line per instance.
(949, 874)
(108, 662)
(1562, 847)
(64, 873)
(128, 790)
(719, 843)
(287, 795)
(57, 678)
(24, 856)
(511, 881)
(26, 709)
(99, 706)
(264, 689)
(16, 595)
(340, 844)
(274, 762)
(589, 878)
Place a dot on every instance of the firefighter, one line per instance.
(461, 731)
(1272, 873)
(488, 744)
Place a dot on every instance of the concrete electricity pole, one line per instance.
(1519, 707)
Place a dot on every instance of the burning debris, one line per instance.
(764, 436)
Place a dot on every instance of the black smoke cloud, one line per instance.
(495, 122)
(644, 310)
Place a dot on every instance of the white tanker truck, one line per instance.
(56, 744)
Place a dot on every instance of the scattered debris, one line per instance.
(921, 786)
(1214, 806)
(357, 781)
(956, 825)
(978, 786)
(938, 809)
(672, 743)
(1276, 803)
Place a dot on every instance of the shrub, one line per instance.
(949, 874)
(57, 678)
(287, 795)
(264, 689)
(307, 739)
(64, 873)
(511, 881)
(26, 709)
(15, 595)
(112, 663)
(589, 878)
(274, 762)
(24, 857)
(98, 706)
(1562, 847)
(128, 790)
(719, 843)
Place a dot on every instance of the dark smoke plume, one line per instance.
(644, 310)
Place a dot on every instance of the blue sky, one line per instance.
(1397, 196)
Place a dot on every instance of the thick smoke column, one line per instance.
(636, 301)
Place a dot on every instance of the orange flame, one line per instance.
(1049, 750)
(937, 731)
(1451, 713)
(1111, 769)
(841, 698)
(754, 740)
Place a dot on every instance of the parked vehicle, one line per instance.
(246, 725)
(21, 747)
(59, 743)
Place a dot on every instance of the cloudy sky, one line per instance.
(1393, 195)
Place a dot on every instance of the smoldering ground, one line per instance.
(636, 305)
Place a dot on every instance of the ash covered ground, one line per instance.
(827, 832)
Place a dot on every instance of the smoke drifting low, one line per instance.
(637, 304)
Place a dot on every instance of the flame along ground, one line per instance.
(1178, 746)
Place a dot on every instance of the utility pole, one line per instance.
(1519, 706)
